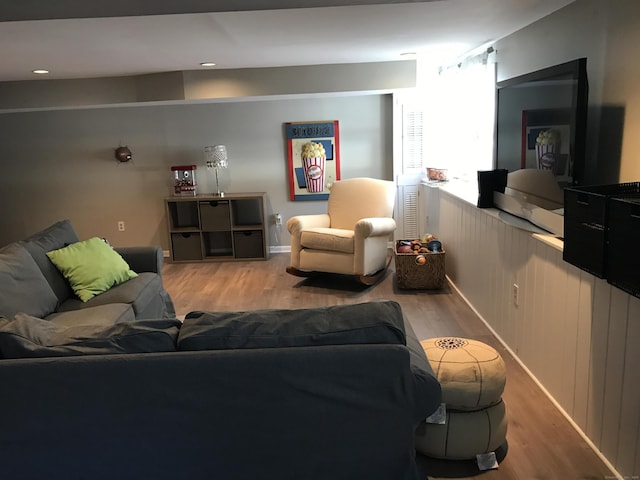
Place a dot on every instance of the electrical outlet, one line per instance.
(515, 290)
(277, 219)
(121, 226)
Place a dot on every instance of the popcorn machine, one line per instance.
(184, 180)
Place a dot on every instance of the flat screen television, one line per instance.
(541, 121)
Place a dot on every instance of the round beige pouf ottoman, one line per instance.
(472, 376)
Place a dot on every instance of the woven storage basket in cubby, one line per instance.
(412, 275)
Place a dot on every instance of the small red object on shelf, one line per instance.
(184, 180)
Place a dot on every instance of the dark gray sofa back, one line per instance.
(58, 235)
(362, 323)
(316, 413)
(23, 288)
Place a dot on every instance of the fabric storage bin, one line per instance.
(186, 246)
(248, 244)
(214, 215)
(623, 262)
(410, 274)
(586, 224)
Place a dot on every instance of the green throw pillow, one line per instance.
(91, 267)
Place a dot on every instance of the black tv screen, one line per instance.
(541, 121)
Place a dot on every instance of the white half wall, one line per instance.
(574, 332)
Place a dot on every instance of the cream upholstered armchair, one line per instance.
(352, 237)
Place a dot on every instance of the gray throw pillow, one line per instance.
(364, 323)
(27, 336)
(23, 288)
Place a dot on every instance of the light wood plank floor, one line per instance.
(541, 443)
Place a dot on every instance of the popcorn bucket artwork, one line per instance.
(313, 150)
(547, 149)
(314, 162)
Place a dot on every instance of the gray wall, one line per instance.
(57, 141)
(60, 164)
(607, 33)
(603, 397)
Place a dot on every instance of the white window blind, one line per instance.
(412, 137)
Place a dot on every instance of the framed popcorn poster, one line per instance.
(313, 152)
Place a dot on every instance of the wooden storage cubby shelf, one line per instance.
(213, 228)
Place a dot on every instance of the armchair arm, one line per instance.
(301, 222)
(373, 227)
(296, 225)
(143, 259)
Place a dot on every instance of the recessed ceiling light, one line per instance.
(207, 64)
(40, 71)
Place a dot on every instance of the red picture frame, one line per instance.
(327, 170)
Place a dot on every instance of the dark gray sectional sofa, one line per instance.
(31, 284)
(324, 393)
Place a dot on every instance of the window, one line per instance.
(446, 122)
(449, 122)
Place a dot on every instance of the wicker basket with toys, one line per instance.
(420, 263)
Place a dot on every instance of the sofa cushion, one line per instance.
(364, 323)
(27, 336)
(23, 288)
(105, 315)
(138, 292)
(91, 267)
(58, 235)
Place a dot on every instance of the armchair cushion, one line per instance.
(333, 239)
(357, 198)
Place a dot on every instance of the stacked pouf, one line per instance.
(472, 376)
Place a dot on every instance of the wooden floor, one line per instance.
(541, 442)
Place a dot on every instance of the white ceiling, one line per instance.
(124, 41)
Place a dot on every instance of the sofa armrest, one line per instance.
(143, 259)
(426, 382)
(373, 227)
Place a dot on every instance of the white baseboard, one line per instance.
(280, 249)
(273, 249)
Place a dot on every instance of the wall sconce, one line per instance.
(123, 154)
(216, 157)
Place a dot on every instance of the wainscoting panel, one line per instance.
(575, 333)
